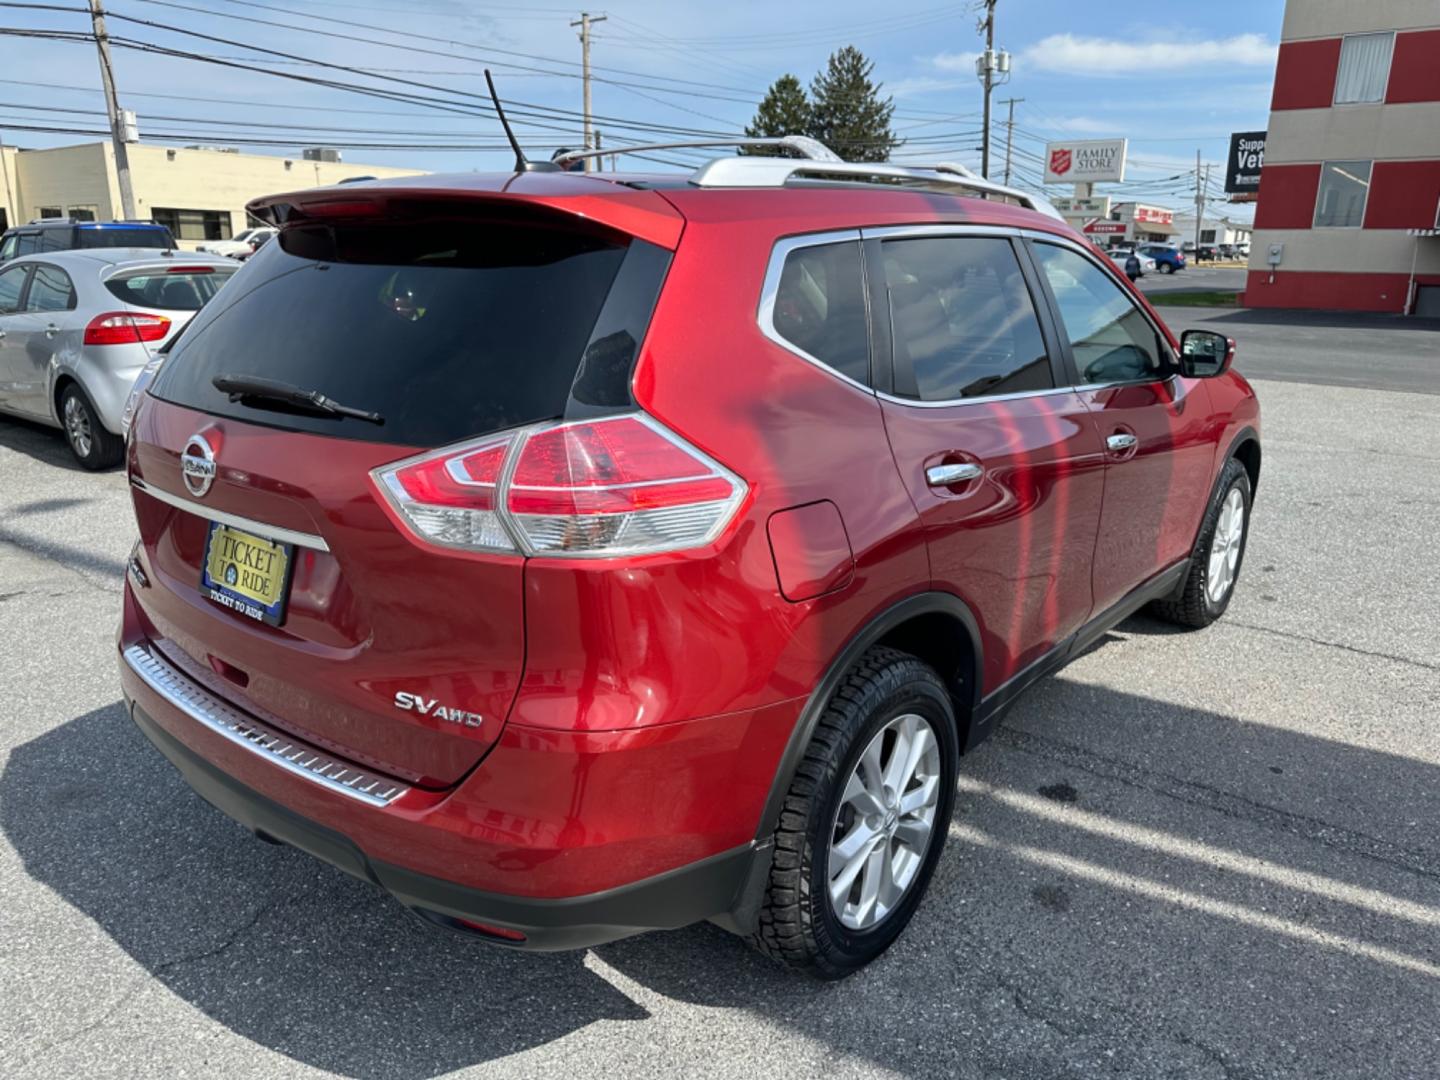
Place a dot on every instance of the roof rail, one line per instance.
(806, 147)
(944, 177)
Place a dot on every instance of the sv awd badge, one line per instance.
(432, 707)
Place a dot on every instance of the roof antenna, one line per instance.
(522, 164)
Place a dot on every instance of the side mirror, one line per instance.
(1205, 354)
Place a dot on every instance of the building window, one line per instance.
(194, 224)
(51, 212)
(1207, 236)
(1340, 203)
(1364, 68)
(82, 213)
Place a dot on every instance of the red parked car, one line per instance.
(575, 555)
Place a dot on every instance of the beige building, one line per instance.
(200, 194)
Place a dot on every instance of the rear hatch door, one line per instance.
(447, 325)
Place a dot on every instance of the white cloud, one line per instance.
(920, 84)
(961, 61)
(1075, 55)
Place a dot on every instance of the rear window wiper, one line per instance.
(257, 389)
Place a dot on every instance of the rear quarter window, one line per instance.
(185, 291)
(449, 329)
(819, 307)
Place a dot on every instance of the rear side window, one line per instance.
(820, 307)
(112, 236)
(962, 320)
(50, 290)
(449, 329)
(54, 240)
(181, 290)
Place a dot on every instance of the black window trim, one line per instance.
(765, 314)
(1171, 364)
(1054, 345)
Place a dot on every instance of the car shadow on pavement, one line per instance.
(1130, 886)
(278, 947)
(39, 441)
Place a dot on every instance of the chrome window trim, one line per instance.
(765, 315)
(916, 232)
(979, 399)
(259, 528)
(214, 714)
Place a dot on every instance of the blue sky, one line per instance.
(1172, 77)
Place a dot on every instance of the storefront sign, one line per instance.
(1082, 162)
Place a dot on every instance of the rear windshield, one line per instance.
(173, 290)
(448, 329)
(113, 236)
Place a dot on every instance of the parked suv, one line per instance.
(574, 555)
(67, 234)
(1167, 259)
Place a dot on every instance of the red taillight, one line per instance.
(618, 486)
(126, 328)
(191, 270)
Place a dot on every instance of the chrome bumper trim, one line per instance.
(260, 740)
(259, 528)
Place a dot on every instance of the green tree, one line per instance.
(847, 113)
(785, 111)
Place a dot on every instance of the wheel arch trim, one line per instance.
(927, 603)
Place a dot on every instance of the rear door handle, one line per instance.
(51, 330)
(952, 473)
(1121, 442)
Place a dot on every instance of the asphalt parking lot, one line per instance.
(1211, 854)
(1195, 277)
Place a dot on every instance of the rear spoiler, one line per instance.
(644, 215)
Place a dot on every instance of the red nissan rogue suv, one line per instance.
(575, 555)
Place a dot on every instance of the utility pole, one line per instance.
(987, 76)
(1199, 204)
(112, 107)
(992, 69)
(585, 22)
(1010, 131)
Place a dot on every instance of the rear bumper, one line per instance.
(672, 899)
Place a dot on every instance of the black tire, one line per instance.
(1166, 268)
(1192, 605)
(797, 924)
(94, 447)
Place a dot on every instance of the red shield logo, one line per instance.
(1059, 162)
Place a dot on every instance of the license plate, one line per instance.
(246, 573)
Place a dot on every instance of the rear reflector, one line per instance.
(623, 485)
(125, 328)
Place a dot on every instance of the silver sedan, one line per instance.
(77, 328)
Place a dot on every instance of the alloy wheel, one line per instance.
(1225, 547)
(77, 426)
(884, 823)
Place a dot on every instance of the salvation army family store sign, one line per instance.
(1083, 162)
